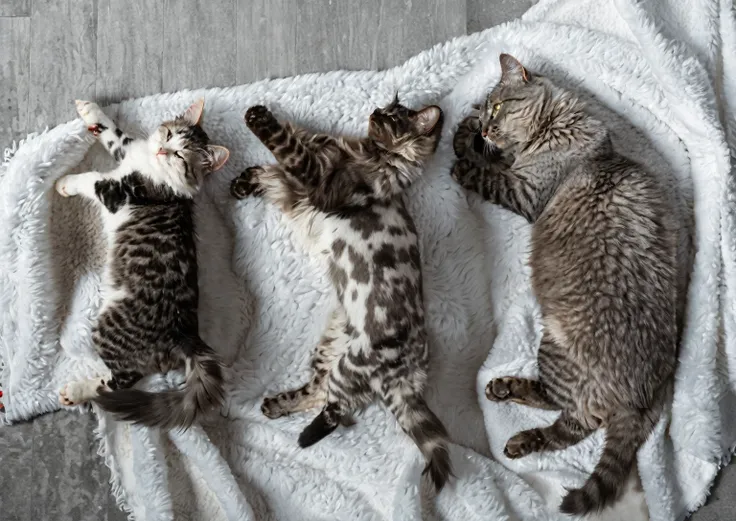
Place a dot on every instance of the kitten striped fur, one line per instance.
(344, 196)
(603, 271)
(148, 321)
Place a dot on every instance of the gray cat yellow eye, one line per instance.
(495, 110)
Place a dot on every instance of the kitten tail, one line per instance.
(203, 390)
(625, 434)
(425, 428)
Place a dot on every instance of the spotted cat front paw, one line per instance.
(246, 184)
(258, 116)
(66, 186)
(524, 443)
(96, 120)
(271, 408)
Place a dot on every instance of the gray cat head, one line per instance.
(182, 150)
(408, 133)
(527, 111)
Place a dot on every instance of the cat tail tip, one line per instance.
(439, 467)
(171, 409)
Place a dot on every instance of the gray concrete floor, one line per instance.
(53, 51)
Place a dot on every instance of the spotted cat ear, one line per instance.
(218, 157)
(193, 114)
(512, 70)
(426, 119)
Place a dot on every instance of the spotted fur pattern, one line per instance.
(603, 270)
(344, 195)
(148, 320)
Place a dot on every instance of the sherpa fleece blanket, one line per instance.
(661, 74)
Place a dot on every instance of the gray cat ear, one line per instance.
(219, 156)
(426, 119)
(193, 114)
(512, 70)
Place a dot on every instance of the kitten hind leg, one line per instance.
(563, 433)
(75, 393)
(115, 141)
(348, 389)
(314, 393)
(311, 395)
(520, 390)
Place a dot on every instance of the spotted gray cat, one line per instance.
(603, 270)
(148, 321)
(344, 194)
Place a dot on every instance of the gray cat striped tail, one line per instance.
(202, 390)
(626, 432)
(422, 425)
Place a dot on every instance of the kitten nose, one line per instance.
(484, 133)
(161, 152)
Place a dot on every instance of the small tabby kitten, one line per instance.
(148, 320)
(345, 193)
(603, 270)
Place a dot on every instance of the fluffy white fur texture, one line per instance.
(661, 73)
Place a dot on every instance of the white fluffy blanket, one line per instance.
(662, 74)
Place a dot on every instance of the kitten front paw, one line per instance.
(464, 173)
(465, 136)
(261, 122)
(246, 184)
(66, 186)
(524, 443)
(258, 115)
(96, 120)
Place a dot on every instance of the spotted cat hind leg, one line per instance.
(306, 397)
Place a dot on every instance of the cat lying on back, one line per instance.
(603, 270)
(148, 320)
(345, 196)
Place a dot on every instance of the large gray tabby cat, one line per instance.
(603, 270)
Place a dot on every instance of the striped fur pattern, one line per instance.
(603, 270)
(148, 320)
(344, 197)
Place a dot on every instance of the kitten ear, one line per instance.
(512, 70)
(193, 114)
(219, 156)
(426, 119)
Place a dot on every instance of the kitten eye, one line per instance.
(495, 110)
(168, 134)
